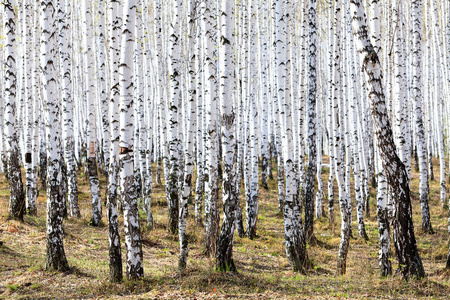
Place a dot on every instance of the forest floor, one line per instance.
(263, 270)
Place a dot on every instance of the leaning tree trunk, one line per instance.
(133, 243)
(224, 252)
(56, 257)
(14, 174)
(410, 263)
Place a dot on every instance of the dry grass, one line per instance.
(263, 271)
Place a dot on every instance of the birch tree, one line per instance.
(337, 120)
(224, 253)
(292, 252)
(410, 264)
(252, 156)
(188, 151)
(311, 108)
(14, 174)
(210, 97)
(91, 138)
(56, 258)
(418, 103)
(133, 243)
(115, 258)
(31, 172)
(174, 65)
(65, 48)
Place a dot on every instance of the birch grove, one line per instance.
(188, 107)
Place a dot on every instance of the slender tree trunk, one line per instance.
(211, 172)
(56, 258)
(384, 232)
(311, 108)
(252, 156)
(91, 115)
(174, 64)
(68, 115)
(224, 253)
(133, 243)
(338, 154)
(17, 196)
(418, 103)
(439, 102)
(31, 175)
(290, 229)
(115, 259)
(354, 134)
(199, 185)
(331, 176)
(263, 29)
(188, 151)
(405, 242)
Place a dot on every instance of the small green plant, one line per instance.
(12, 287)
(35, 286)
(33, 268)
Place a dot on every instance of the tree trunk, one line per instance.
(17, 197)
(91, 114)
(210, 97)
(56, 258)
(31, 175)
(133, 243)
(188, 151)
(418, 103)
(68, 115)
(115, 259)
(405, 242)
(311, 108)
(224, 254)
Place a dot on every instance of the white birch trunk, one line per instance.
(115, 259)
(91, 138)
(65, 48)
(404, 238)
(56, 259)
(188, 151)
(17, 196)
(212, 128)
(224, 253)
(133, 243)
(31, 175)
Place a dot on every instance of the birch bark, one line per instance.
(115, 259)
(405, 242)
(17, 196)
(56, 258)
(133, 243)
